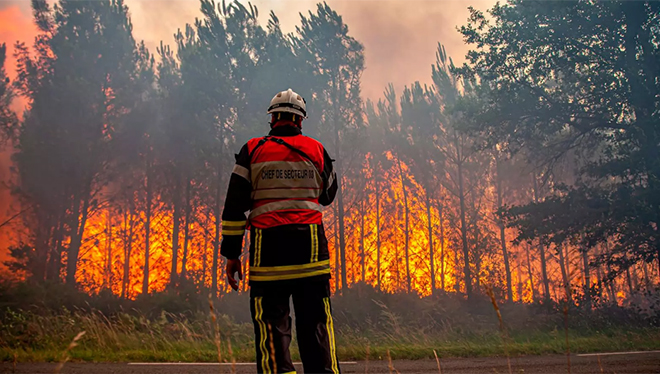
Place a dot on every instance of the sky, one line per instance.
(400, 36)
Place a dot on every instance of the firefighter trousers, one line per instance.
(269, 305)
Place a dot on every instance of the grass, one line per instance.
(28, 337)
(484, 345)
(35, 325)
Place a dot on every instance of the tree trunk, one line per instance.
(342, 239)
(406, 225)
(629, 281)
(377, 235)
(442, 246)
(108, 252)
(500, 223)
(125, 241)
(54, 269)
(610, 281)
(466, 254)
(362, 212)
(176, 222)
(530, 275)
(128, 249)
(567, 256)
(76, 240)
(186, 234)
(147, 227)
(216, 240)
(564, 275)
(477, 256)
(431, 252)
(600, 276)
(544, 273)
(217, 215)
(457, 272)
(645, 272)
(335, 234)
(520, 283)
(396, 247)
(45, 243)
(587, 278)
(544, 269)
(206, 249)
(612, 291)
(507, 265)
(338, 170)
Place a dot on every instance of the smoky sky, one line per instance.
(400, 36)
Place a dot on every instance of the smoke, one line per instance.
(400, 36)
(400, 40)
(15, 25)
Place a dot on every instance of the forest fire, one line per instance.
(136, 180)
(112, 238)
(376, 243)
(475, 204)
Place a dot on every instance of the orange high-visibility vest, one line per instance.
(286, 181)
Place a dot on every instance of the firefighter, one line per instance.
(283, 180)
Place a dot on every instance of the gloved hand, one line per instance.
(233, 267)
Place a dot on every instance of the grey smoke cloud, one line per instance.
(400, 36)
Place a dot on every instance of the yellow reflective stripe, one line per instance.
(285, 205)
(315, 242)
(242, 172)
(233, 227)
(286, 193)
(257, 277)
(329, 325)
(258, 316)
(257, 247)
(289, 372)
(233, 232)
(311, 231)
(269, 269)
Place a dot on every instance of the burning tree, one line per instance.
(123, 156)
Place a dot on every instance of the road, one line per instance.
(648, 362)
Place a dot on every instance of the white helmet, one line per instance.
(288, 101)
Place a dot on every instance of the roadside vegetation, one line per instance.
(38, 323)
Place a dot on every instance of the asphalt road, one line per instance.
(620, 364)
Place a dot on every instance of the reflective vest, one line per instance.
(286, 181)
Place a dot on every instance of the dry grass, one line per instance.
(65, 354)
(216, 329)
(437, 360)
(390, 365)
(231, 354)
(124, 337)
(491, 295)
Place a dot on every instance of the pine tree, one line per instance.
(78, 87)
